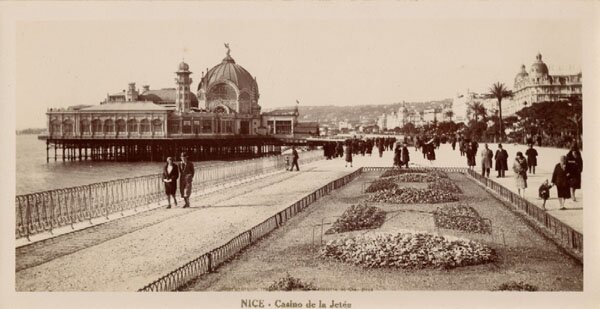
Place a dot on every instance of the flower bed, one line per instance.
(413, 196)
(461, 217)
(382, 184)
(407, 250)
(517, 286)
(413, 177)
(400, 171)
(289, 283)
(444, 184)
(358, 217)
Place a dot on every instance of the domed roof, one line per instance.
(539, 68)
(183, 66)
(230, 71)
(522, 74)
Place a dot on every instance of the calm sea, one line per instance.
(35, 175)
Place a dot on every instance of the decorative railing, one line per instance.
(564, 235)
(209, 261)
(48, 210)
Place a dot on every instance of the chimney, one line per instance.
(146, 88)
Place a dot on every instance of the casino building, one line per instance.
(224, 110)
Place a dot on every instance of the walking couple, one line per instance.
(185, 173)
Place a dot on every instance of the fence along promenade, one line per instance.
(44, 211)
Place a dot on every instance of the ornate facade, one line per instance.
(226, 104)
(539, 86)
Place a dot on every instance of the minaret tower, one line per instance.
(183, 94)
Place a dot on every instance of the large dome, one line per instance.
(228, 70)
(539, 68)
(522, 74)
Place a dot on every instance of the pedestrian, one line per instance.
(294, 159)
(348, 154)
(430, 151)
(404, 156)
(486, 161)
(186, 176)
(470, 152)
(453, 143)
(531, 154)
(574, 168)
(520, 170)
(539, 140)
(339, 149)
(561, 181)
(544, 192)
(501, 158)
(397, 156)
(170, 175)
(380, 147)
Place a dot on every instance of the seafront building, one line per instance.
(528, 88)
(223, 112)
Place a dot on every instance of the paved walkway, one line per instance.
(126, 254)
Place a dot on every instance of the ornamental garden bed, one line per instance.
(407, 250)
(461, 217)
(426, 262)
(358, 217)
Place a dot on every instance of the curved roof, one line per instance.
(230, 71)
(165, 96)
(539, 68)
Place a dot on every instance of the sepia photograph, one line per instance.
(300, 155)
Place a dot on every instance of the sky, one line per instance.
(316, 60)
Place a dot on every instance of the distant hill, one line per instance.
(367, 113)
(31, 131)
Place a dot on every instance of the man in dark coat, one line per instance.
(405, 156)
(501, 158)
(186, 172)
(531, 155)
(294, 159)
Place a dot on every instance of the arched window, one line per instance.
(67, 127)
(55, 127)
(132, 125)
(222, 91)
(84, 126)
(96, 126)
(244, 96)
(109, 126)
(144, 126)
(120, 125)
(157, 126)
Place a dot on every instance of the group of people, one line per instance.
(566, 177)
(184, 172)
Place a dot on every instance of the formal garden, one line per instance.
(402, 229)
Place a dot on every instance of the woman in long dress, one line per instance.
(170, 175)
(520, 170)
(348, 154)
(560, 178)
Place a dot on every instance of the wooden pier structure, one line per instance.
(158, 149)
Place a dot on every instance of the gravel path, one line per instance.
(126, 254)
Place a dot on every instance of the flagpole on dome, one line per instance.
(297, 103)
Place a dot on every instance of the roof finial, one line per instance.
(228, 49)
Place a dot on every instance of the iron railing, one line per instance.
(48, 210)
(564, 235)
(209, 261)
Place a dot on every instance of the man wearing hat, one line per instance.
(186, 174)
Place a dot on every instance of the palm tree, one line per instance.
(499, 91)
(477, 109)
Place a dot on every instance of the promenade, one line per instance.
(128, 253)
